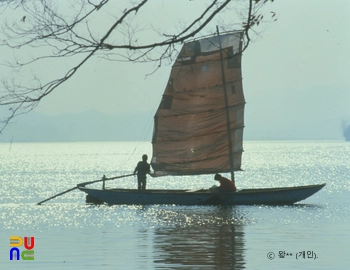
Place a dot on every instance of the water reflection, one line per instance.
(218, 244)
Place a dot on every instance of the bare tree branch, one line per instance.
(51, 34)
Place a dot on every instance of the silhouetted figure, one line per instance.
(225, 183)
(142, 169)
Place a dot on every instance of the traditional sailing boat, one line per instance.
(198, 129)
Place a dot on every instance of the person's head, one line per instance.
(144, 157)
(217, 176)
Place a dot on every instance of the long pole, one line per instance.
(83, 185)
(228, 125)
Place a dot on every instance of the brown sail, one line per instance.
(193, 127)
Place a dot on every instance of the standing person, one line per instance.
(142, 169)
(225, 183)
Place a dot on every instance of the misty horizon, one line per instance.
(93, 125)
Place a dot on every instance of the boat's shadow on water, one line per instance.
(222, 207)
(205, 237)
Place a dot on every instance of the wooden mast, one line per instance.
(228, 126)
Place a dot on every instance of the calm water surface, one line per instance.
(72, 235)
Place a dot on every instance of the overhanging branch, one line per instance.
(44, 26)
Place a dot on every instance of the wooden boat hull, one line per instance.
(274, 196)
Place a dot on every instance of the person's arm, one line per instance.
(136, 169)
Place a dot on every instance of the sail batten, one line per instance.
(187, 113)
(195, 130)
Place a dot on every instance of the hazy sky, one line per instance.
(295, 74)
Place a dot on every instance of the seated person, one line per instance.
(225, 184)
